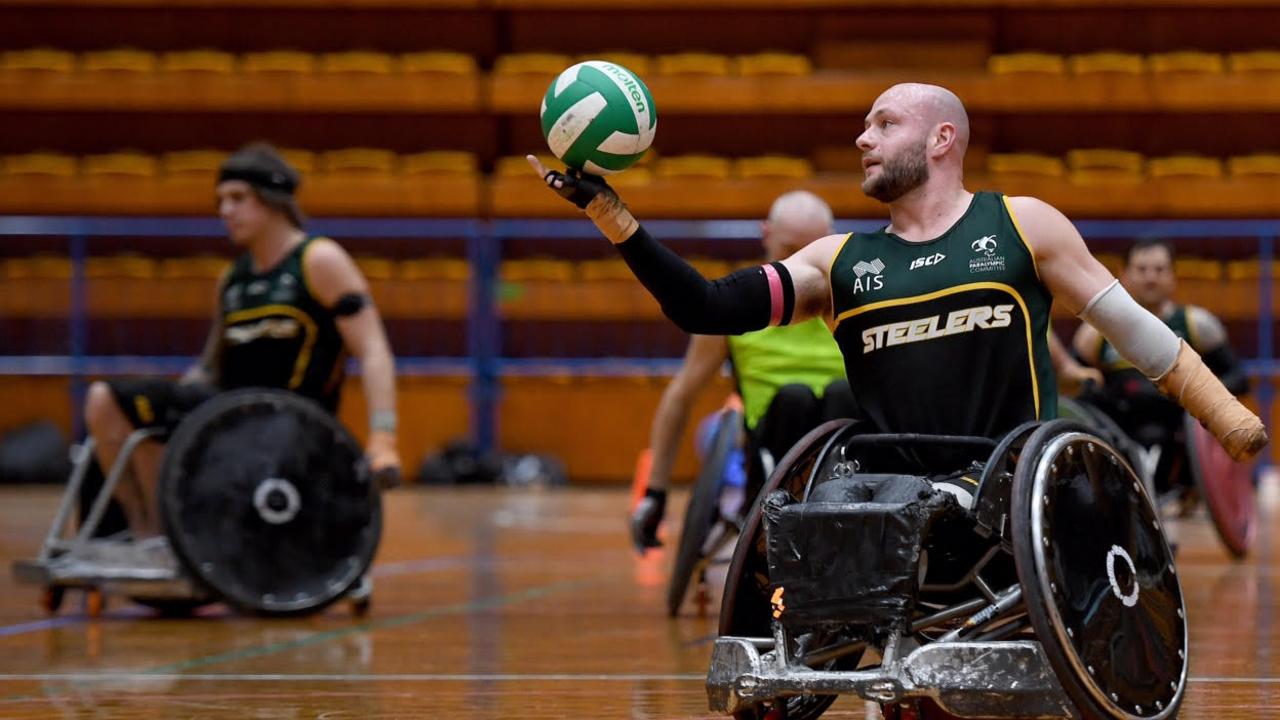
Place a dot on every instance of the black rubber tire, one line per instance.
(702, 513)
(173, 607)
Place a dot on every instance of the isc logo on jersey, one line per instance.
(927, 260)
(981, 317)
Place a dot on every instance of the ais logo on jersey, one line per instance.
(867, 275)
(980, 317)
(926, 261)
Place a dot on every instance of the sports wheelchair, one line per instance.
(1037, 582)
(267, 503)
(1201, 471)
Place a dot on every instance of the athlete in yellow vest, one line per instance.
(791, 378)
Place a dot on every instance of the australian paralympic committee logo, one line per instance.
(987, 260)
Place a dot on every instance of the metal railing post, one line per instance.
(484, 253)
(78, 329)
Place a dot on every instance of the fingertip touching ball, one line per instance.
(598, 117)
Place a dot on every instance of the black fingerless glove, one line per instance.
(576, 186)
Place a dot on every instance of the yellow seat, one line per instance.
(1027, 62)
(1254, 165)
(127, 266)
(195, 267)
(773, 63)
(712, 268)
(192, 162)
(38, 60)
(440, 162)
(278, 61)
(531, 64)
(1025, 164)
(375, 268)
(517, 166)
(445, 63)
(687, 166)
(636, 63)
(542, 269)
(119, 60)
(1184, 166)
(773, 166)
(304, 161)
(358, 61)
(633, 176)
(198, 61)
(41, 164)
(1197, 269)
(591, 270)
(433, 269)
(360, 160)
(1186, 61)
(38, 267)
(1105, 159)
(132, 164)
(1107, 62)
(1250, 269)
(1255, 61)
(693, 63)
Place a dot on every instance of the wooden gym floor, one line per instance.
(499, 604)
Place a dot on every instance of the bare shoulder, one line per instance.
(1039, 221)
(330, 271)
(821, 252)
(325, 253)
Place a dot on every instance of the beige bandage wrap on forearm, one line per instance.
(1197, 389)
(612, 217)
(1175, 368)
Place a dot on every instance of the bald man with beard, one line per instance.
(942, 316)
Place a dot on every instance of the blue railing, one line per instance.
(485, 364)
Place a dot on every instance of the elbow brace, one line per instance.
(745, 300)
(1176, 369)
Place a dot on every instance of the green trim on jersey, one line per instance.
(947, 336)
(765, 360)
(276, 334)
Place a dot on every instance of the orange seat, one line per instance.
(358, 61)
(1184, 166)
(1105, 166)
(444, 63)
(199, 61)
(41, 164)
(453, 269)
(279, 61)
(691, 166)
(304, 161)
(518, 166)
(38, 267)
(1025, 164)
(1188, 268)
(192, 162)
(531, 64)
(1027, 62)
(195, 267)
(773, 166)
(372, 161)
(1254, 165)
(773, 63)
(693, 63)
(125, 267)
(1107, 62)
(1186, 61)
(129, 60)
(636, 63)
(375, 268)
(38, 60)
(440, 162)
(526, 269)
(130, 164)
(1255, 61)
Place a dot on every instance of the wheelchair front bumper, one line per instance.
(967, 679)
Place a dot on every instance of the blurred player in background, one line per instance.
(791, 379)
(289, 311)
(1125, 393)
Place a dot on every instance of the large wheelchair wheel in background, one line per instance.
(1226, 487)
(269, 502)
(744, 608)
(703, 512)
(1098, 577)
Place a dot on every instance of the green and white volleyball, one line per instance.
(598, 117)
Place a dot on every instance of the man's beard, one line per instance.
(898, 176)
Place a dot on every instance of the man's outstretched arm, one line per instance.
(750, 299)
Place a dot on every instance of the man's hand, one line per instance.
(384, 460)
(1079, 378)
(646, 518)
(592, 194)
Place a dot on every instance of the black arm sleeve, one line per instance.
(734, 304)
(1222, 361)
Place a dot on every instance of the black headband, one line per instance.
(259, 178)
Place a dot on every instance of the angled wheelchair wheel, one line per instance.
(1097, 576)
(267, 500)
(1226, 487)
(744, 608)
(702, 515)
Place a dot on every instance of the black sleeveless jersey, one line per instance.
(276, 334)
(947, 336)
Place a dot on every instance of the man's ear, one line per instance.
(946, 136)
